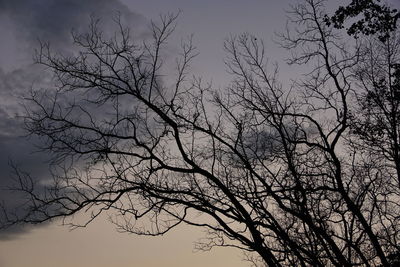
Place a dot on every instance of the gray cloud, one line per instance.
(20, 151)
(53, 20)
(27, 22)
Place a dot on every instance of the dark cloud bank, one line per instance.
(53, 20)
(29, 21)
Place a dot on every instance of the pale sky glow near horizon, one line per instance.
(22, 23)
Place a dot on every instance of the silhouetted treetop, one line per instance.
(376, 18)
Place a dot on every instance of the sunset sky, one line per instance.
(22, 24)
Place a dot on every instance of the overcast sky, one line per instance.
(22, 24)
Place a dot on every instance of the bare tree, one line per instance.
(273, 171)
(376, 123)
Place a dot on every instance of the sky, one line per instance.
(22, 24)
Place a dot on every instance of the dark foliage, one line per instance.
(376, 18)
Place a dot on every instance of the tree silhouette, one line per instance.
(377, 18)
(293, 176)
(376, 122)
